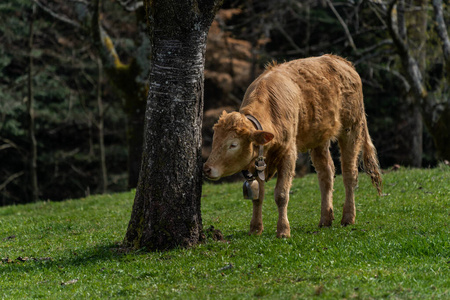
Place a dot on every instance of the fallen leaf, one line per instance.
(43, 258)
(215, 234)
(11, 237)
(22, 258)
(69, 282)
(227, 267)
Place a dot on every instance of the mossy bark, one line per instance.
(166, 211)
(433, 105)
(127, 80)
(409, 139)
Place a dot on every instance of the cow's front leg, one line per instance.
(286, 172)
(256, 224)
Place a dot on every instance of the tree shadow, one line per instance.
(81, 257)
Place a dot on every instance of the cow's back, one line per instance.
(318, 96)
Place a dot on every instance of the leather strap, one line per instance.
(260, 163)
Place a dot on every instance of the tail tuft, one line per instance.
(370, 161)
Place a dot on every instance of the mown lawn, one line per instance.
(399, 248)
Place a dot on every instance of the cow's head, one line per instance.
(233, 145)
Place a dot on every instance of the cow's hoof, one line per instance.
(347, 220)
(325, 223)
(283, 231)
(255, 232)
(283, 235)
(326, 218)
(256, 229)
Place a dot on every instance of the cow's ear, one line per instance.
(261, 137)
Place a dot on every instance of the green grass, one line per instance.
(399, 248)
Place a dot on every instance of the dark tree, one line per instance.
(30, 111)
(433, 106)
(129, 79)
(166, 210)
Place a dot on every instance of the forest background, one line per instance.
(73, 82)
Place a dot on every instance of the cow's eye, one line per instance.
(233, 145)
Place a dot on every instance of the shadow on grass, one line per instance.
(83, 257)
(98, 254)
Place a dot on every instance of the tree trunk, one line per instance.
(410, 133)
(441, 124)
(441, 135)
(100, 127)
(409, 145)
(166, 211)
(410, 39)
(30, 110)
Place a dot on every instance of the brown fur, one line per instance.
(302, 105)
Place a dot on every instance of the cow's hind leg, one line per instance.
(350, 146)
(324, 166)
(286, 172)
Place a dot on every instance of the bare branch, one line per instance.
(11, 145)
(5, 146)
(398, 41)
(10, 178)
(85, 2)
(378, 45)
(131, 5)
(367, 56)
(289, 39)
(347, 32)
(406, 85)
(401, 19)
(102, 41)
(59, 17)
(410, 65)
(379, 9)
(441, 30)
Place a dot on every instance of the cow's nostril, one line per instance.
(206, 169)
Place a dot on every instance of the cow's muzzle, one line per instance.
(209, 172)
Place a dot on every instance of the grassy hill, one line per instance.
(399, 248)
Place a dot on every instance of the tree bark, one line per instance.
(30, 110)
(166, 211)
(441, 123)
(410, 131)
(434, 107)
(442, 32)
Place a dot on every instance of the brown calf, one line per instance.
(301, 105)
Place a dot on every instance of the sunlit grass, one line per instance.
(399, 247)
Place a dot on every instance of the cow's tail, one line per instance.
(370, 160)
